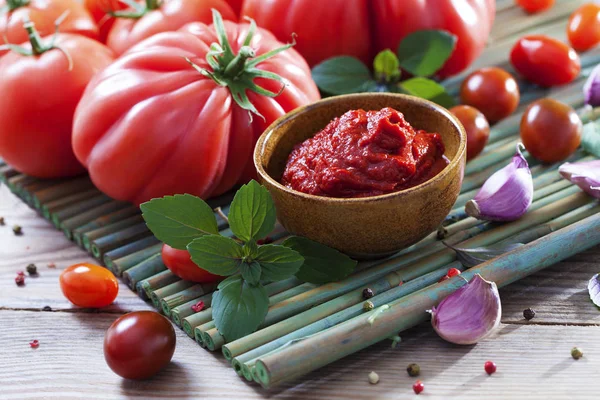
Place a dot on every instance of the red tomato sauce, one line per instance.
(365, 153)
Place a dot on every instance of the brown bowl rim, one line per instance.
(264, 137)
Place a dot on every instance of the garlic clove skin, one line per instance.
(506, 195)
(586, 175)
(469, 314)
(591, 89)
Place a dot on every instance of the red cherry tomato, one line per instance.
(88, 285)
(583, 29)
(139, 344)
(534, 6)
(493, 91)
(99, 10)
(550, 130)
(477, 127)
(180, 263)
(545, 61)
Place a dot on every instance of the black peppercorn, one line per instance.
(1, 220)
(17, 230)
(47, 308)
(413, 369)
(368, 293)
(528, 314)
(32, 269)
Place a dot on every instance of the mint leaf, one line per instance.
(322, 264)
(423, 53)
(251, 272)
(278, 262)
(216, 254)
(238, 308)
(590, 139)
(177, 220)
(386, 66)
(429, 90)
(252, 212)
(341, 75)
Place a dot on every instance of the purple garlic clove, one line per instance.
(586, 175)
(591, 89)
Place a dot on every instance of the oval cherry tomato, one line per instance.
(99, 10)
(139, 344)
(550, 130)
(88, 285)
(477, 127)
(583, 29)
(180, 263)
(534, 6)
(170, 15)
(36, 119)
(493, 91)
(545, 61)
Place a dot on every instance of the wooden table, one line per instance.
(533, 357)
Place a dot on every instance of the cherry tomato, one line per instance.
(534, 6)
(88, 285)
(583, 29)
(493, 91)
(545, 61)
(180, 263)
(550, 130)
(99, 10)
(477, 127)
(139, 344)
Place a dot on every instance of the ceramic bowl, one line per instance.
(367, 227)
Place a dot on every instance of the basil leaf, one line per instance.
(341, 75)
(177, 220)
(251, 272)
(252, 212)
(238, 308)
(322, 264)
(590, 140)
(278, 262)
(429, 90)
(594, 289)
(423, 53)
(475, 256)
(386, 66)
(216, 254)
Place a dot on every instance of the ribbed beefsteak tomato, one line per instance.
(154, 124)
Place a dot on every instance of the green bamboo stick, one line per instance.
(53, 206)
(7, 172)
(64, 189)
(167, 303)
(185, 309)
(26, 189)
(76, 211)
(358, 333)
(84, 213)
(143, 270)
(130, 248)
(100, 222)
(117, 226)
(16, 181)
(117, 239)
(160, 280)
(157, 295)
(120, 265)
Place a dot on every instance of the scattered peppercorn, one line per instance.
(34, 344)
(51, 265)
(442, 233)
(453, 272)
(17, 230)
(373, 378)
(47, 308)
(528, 313)
(199, 306)
(20, 280)
(418, 387)
(576, 353)
(32, 269)
(489, 367)
(368, 305)
(368, 293)
(413, 369)
(2, 221)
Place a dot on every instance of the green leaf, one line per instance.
(177, 220)
(423, 53)
(590, 140)
(252, 212)
(278, 262)
(216, 254)
(322, 264)
(341, 75)
(251, 272)
(429, 90)
(386, 66)
(238, 308)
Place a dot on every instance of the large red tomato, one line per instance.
(236, 5)
(39, 97)
(151, 124)
(180, 263)
(99, 10)
(163, 16)
(361, 28)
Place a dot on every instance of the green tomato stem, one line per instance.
(37, 46)
(238, 65)
(14, 4)
(153, 4)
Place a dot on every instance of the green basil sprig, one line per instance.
(241, 303)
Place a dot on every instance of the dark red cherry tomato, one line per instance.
(139, 344)
(88, 285)
(583, 29)
(534, 6)
(545, 61)
(493, 91)
(477, 127)
(550, 130)
(180, 263)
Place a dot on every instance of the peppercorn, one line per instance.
(368, 305)
(51, 265)
(34, 344)
(576, 353)
(199, 306)
(32, 269)
(2, 221)
(528, 313)
(17, 230)
(442, 233)
(418, 387)
(20, 280)
(368, 293)
(413, 369)
(489, 367)
(373, 378)
(47, 308)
